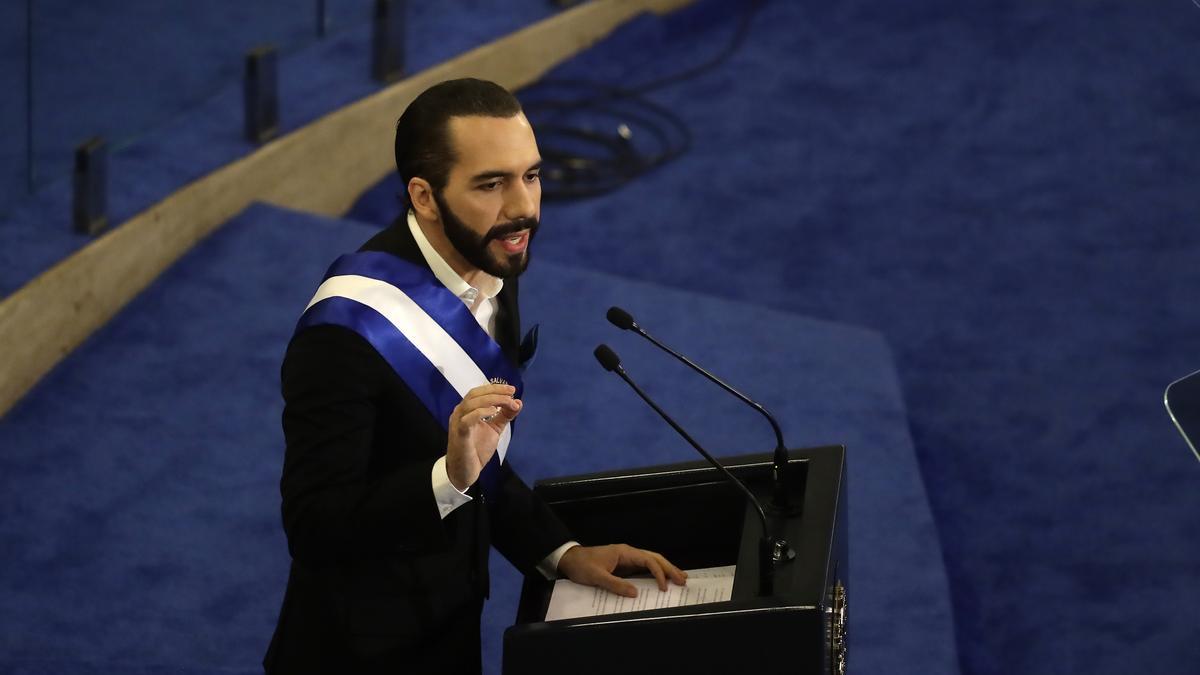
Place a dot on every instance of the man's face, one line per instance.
(491, 204)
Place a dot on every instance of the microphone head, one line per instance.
(607, 358)
(620, 318)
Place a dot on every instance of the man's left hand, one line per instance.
(595, 566)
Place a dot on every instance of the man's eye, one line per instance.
(533, 177)
(489, 186)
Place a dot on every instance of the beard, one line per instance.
(475, 248)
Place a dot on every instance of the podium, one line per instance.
(694, 517)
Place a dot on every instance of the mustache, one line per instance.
(511, 228)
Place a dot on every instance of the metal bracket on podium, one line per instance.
(262, 94)
(387, 48)
(90, 206)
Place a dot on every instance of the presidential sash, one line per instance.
(425, 333)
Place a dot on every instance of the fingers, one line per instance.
(615, 585)
(641, 558)
(677, 575)
(506, 413)
(475, 417)
(489, 401)
(510, 413)
(485, 408)
(593, 566)
(657, 570)
(656, 564)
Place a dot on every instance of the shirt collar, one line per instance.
(489, 285)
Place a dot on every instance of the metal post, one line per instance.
(29, 159)
(90, 209)
(261, 89)
(387, 49)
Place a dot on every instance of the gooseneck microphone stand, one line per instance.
(772, 550)
(781, 501)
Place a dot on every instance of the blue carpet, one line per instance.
(1007, 191)
(141, 477)
(139, 481)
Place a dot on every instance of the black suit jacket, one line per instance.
(379, 581)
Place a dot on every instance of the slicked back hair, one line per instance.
(423, 144)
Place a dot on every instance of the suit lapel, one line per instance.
(508, 321)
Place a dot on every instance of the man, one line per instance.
(401, 386)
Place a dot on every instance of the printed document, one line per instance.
(571, 600)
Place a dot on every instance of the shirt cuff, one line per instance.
(549, 565)
(447, 496)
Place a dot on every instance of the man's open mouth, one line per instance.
(515, 242)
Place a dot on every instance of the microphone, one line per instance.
(771, 550)
(780, 496)
(609, 359)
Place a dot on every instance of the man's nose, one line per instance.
(520, 201)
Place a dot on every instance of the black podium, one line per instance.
(690, 514)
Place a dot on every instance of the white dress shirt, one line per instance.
(483, 305)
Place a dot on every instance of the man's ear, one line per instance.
(420, 195)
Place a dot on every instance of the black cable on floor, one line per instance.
(596, 137)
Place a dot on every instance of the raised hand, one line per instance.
(475, 427)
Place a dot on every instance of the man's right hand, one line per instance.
(475, 427)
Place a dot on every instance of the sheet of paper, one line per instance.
(571, 600)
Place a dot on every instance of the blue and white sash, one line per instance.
(417, 325)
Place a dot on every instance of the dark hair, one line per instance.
(422, 134)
